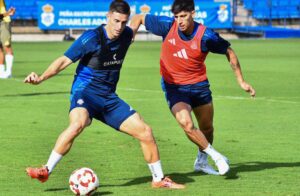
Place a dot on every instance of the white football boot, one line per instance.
(223, 165)
(5, 75)
(201, 164)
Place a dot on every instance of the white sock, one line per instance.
(212, 152)
(2, 68)
(53, 160)
(156, 171)
(9, 63)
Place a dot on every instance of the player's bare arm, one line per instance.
(10, 12)
(56, 66)
(136, 22)
(235, 65)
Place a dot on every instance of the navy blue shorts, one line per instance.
(192, 94)
(109, 109)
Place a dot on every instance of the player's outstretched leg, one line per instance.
(201, 164)
(182, 113)
(136, 127)
(41, 174)
(79, 119)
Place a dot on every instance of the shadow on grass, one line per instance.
(35, 94)
(255, 166)
(64, 189)
(185, 178)
(177, 177)
(56, 189)
(102, 193)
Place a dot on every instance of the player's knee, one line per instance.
(146, 134)
(76, 128)
(187, 125)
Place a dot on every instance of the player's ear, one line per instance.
(193, 14)
(108, 15)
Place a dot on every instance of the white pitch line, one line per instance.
(220, 96)
(140, 90)
(257, 98)
(214, 97)
(46, 82)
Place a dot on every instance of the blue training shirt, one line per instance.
(100, 59)
(211, 41)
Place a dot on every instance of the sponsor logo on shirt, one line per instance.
(110, 63)
(114, 62)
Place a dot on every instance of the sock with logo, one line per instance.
(156, 171)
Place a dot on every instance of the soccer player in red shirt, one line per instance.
(185, 46)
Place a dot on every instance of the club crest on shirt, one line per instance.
(80, 101)
(194, 45)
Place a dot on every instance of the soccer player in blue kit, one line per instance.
(101, 52)
(185, 46)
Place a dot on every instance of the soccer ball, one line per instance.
(83, 181)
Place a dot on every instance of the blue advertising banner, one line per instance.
(90, 14)
(63, 15)
(209, 13)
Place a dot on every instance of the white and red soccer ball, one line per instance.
(83, 181)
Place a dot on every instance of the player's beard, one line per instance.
(182, 28)
(117, 33)
(186, 28)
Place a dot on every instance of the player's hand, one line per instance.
(248, 88)
(134, 34)
(11, 11)
(33, 78)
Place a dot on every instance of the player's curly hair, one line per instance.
(120, 6)
(182, 5)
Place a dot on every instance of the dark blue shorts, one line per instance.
(192, 94)
(109, 109)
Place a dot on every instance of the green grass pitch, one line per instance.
(259, 136)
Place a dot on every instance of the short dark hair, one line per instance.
(120, 6)
(183, 5)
